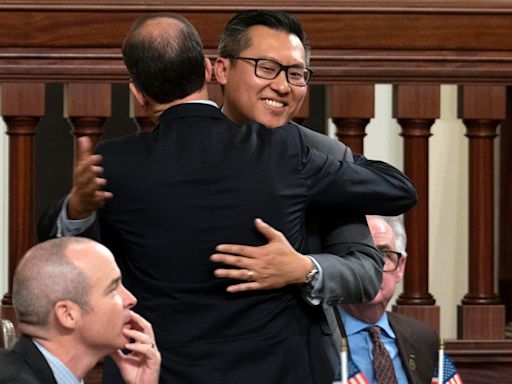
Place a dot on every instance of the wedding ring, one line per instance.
(249, 275)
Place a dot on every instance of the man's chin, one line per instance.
(273, 123)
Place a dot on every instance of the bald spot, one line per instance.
(382, 233)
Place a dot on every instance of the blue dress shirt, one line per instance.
(361, 345)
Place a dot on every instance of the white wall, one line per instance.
(448, 228)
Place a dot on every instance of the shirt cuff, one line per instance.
(68, 227)
(312, 291)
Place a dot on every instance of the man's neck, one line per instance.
(156, 110)
(78, 360)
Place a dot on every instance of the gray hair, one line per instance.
(47, 275)
(397, 225)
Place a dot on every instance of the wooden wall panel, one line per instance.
(358, 41)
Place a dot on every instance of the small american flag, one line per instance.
(355, 376)
(450, 374)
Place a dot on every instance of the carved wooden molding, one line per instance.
(479, 350)
(353, 41)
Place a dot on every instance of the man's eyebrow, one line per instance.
(113, 284)
(270, 58)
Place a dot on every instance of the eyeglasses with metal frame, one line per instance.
(391, 259)
(269, 69)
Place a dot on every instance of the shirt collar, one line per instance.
(61, 372)
(210, 102)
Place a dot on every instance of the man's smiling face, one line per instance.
(249, 98)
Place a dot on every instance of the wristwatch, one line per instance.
(310, 275)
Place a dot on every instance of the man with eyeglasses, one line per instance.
(263, 67)
(412, 345)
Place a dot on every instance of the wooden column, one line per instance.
(481, 316)
(351, 108)
(416, 107)
(22, 106)
(87, 106)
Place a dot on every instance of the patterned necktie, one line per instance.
(382, 365)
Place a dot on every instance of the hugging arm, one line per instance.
(76, 213)
(386, 190)
(350, 263)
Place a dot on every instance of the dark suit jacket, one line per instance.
(418, 345)
(196, 181)
(24, 364)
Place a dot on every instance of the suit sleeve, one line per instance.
(397, 193)
(351, 265)
(388, 191)
(351, 187)
(341, 242)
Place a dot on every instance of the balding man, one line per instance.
(73, 310)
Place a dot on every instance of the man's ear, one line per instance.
(208, 70)
(67, 314)
(139, 96)
(221, 70)
(401, 268)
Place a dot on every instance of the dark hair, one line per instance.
(165, 61)
(235, 37)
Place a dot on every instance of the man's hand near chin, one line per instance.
(142, 364)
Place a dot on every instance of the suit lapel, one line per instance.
(406, 348)
(35, 360)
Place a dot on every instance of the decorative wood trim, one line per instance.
(351, 107)
(403, 6)
(375, 41)
(482, 361)
(477, 351)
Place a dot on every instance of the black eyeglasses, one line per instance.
(391, 259)
(269, 69)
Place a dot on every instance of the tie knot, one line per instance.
(374, 333)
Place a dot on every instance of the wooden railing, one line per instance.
(416, 46)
